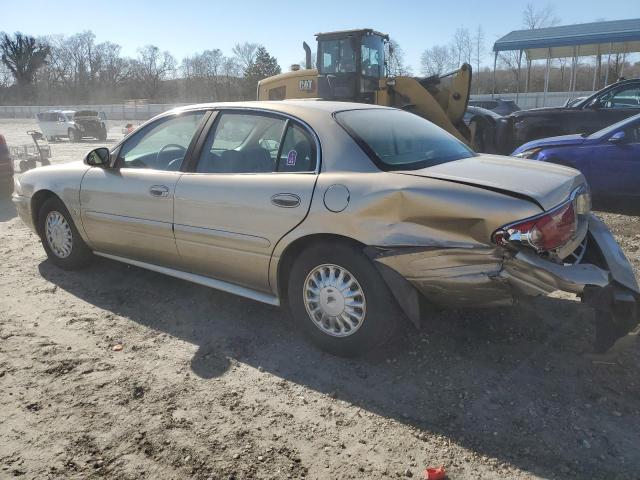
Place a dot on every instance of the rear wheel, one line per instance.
(339, 300)
(60, 238)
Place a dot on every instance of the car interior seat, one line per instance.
(303, 161)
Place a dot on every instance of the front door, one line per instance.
(614, 169)
(128, 210)
(612, 106)
(252, 184)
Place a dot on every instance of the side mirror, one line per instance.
(98, 157)
(618, 137)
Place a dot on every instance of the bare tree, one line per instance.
(534, 17)
(152, 67)
(394, 55)
(435, 60)
(462, 46)
(245, 53)
(478, 53)
(114, 70)
(202, 72)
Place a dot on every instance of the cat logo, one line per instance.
(305, 85)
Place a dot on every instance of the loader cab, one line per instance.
(350, 64)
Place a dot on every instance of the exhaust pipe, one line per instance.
(307, 57)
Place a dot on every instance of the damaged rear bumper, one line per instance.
(488, 276)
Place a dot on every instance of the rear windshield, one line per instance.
(399, 140)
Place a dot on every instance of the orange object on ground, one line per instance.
(435, 473)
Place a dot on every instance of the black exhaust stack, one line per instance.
(307, 58)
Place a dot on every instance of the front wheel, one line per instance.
(60, 238)
(102, 136)
(74, 135)
(339, 300)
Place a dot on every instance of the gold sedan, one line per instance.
(352, 215)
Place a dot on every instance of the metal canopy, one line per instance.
(622, 36)
(569, 41)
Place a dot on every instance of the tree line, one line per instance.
(77, 69)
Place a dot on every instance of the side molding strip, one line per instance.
(199, 279)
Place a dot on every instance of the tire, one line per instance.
(74, 256)
(74, 136)
(380, 315)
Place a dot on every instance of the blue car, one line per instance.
(608, 158)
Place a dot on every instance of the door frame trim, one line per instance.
(199, 279)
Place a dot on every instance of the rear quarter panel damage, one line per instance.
(389, 210)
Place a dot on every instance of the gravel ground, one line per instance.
(208, 385)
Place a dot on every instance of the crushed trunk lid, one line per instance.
(545, 184)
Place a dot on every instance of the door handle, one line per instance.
(159, 190)
(285, 200)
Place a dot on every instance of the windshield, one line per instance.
(399, 140)
(372, 56)
(337, 56)
(613, 128)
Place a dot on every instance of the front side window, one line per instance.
(625, 98)
(337, 56)
(161, 145)
(399, 140)
(242, 143)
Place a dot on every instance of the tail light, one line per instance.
(2, 140)
(545, 232)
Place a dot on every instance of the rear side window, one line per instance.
(399, 140)
(298, 152)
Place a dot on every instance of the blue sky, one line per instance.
(186, 26)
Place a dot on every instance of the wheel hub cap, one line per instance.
(334, 300)
(58, 234)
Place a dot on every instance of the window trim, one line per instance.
(117, 150)
(213, 122)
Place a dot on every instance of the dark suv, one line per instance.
(605, 107)
(499, 106)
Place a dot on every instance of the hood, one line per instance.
(560, 141)
(532, 112)
(545, 184)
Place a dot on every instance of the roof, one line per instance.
(355, 31)
(286, 106)
(587, 39)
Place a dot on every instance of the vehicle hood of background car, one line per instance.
(560, 141)
(535, 112)
(545, 184)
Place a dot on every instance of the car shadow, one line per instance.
(510, 383)
(7, 210)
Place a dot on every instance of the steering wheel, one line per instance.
(174, 145)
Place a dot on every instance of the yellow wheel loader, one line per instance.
(351, 66)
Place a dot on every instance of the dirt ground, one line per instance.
(208, 385)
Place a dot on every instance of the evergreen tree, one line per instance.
(263, 66)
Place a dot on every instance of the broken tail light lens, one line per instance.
(545, 232)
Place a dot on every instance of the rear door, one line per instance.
(251, 183)
(128, 210)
